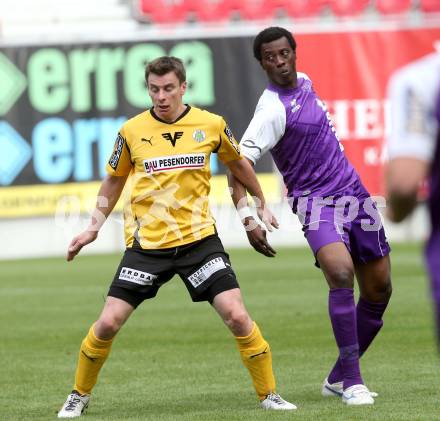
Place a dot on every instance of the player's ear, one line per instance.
(183, 88)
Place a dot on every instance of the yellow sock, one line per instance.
(257, 357)
(92, 355)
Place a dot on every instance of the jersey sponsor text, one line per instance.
(190, 161)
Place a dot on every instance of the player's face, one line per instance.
(166, 92)
(279, 62)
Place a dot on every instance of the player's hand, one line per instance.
(79, 242)
(257, 238)
(268, 218)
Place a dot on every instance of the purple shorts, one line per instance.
(351, 218)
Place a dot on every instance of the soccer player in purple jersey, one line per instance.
(340, 220)
(414, 153)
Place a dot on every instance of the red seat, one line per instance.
(256, 10)
(387, 7)
(163, 11)
(303, 8)
(348, 7)
(209, 10)
(430, 5)
(259, 9)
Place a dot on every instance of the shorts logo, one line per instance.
(191, 161)
(117, 151)
(136, 276)
(231, 139)
(202, 274)
(199, 135)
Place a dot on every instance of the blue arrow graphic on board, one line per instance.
(15, 153)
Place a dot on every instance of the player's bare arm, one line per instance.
(256, 235)
(404, 176)
(108, 196)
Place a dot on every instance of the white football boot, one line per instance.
(357, 394)
(276, 402)
(336, 389)
(74, 406)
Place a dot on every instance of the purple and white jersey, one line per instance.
(414, 92)
(294, 124)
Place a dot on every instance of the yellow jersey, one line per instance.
(166, 202)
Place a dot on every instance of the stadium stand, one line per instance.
(165, 11)
(430, 5)
(343, 8)
(30, 18)
(387, 7)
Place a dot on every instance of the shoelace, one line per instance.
(74, 400)
(274, 397)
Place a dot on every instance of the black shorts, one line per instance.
(203, 266)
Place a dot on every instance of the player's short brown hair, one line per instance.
(165, 64)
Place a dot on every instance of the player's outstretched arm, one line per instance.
(404, 176)
(241, 176)
(107, 198)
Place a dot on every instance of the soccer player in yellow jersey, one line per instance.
(163, 156)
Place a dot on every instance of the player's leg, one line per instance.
(134, 282)
(93, 353)
(95, 347)
(375, 291)
(254, 350)
(374, 279)
(206, 270)
(370, 252)
(336, 264)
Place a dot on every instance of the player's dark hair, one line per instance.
(271, 34)
(165, 64)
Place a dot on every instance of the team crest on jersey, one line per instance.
(117, 151)
(190, 161)
(199, 135)
(232, 140)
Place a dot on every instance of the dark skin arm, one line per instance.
(239, 187)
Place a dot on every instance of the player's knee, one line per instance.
(383, 291)
(340, 278)
(107, 327)
(237, 320)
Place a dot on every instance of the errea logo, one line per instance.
(136, 276)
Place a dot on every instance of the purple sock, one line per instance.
(369, 322)
(343, 317)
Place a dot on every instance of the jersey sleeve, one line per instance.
(120, 163)
(228, 149)
(413, 125)
(265, 129)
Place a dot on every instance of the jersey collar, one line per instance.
(156, 117)
(282, 90)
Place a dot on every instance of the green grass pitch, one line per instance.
(175, 360)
